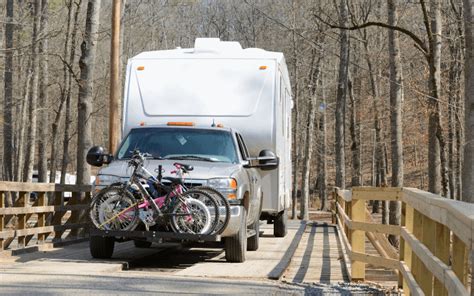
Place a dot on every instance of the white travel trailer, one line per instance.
(219, 82)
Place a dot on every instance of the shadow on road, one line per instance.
(176, 259)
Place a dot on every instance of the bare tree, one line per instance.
(84, 105)
(396, 99)
(355, 138)
(468, 170)
(8, 96)
(33, 97)
(341, 96)
(43, 95)
(308, 149)
(322, 152)
(68, 94)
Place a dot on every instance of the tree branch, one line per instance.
(420, 44)
(426, 21)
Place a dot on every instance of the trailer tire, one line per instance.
(101, 247)
(280, 225)
(141, 244)
(253, 241)
(236, 245)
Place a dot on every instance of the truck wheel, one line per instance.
(101, 247)
(280, 224)
(141, 244)
(252, 242)
(236, 246)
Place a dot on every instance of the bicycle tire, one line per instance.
(114, 208)
(221, 202)
(199, 202)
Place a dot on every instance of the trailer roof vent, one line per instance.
(215, 45)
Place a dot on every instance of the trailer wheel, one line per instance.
(252, 242)
(101, 247)
(236, 246)
(280, 224)
(141, 244)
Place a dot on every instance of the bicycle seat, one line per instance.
(174, 181)
(186, 167)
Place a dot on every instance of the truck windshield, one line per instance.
(180, 143)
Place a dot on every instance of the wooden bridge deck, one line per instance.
(318, 258)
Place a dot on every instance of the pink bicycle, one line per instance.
(123, 206)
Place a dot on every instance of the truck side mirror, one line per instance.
(267, 160)
(96, 156)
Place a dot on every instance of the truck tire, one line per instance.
(101, 247)
(280, 224)
(252, 242)
(141, 244)
(236, 246)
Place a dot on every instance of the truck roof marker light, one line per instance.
(142, 123)
(220, 125)
(263, 67)
(180, 123)
(140, 68)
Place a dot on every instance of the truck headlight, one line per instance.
(226, 186)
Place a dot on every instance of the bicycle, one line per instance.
(223, 203)
(122, 206)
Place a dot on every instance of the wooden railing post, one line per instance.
(348, 210)
(442, 252)
(418, 233)
(42, 216)
(58, 215)
(407, 222)
(429, 240)
(357, 213)
(21, 222)
(460, 258)
(2, 218)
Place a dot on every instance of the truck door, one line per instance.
(253, 180)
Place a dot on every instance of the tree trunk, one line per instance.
(308, 150)
(68, 93)
(20, 156)
(468, 169)
(322, 153)
(355, 137)
(435, 141)
(32, 114)
(43, 96)
(455, 72)
(383, 181)
(396, 100)
(84, 104)
(8, 97)
(294, 192)
(341, 97)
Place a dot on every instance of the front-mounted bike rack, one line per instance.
(157, 236)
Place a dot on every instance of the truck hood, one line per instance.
(202, 169)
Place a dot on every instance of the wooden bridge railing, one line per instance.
(49, 218)
(436, 238)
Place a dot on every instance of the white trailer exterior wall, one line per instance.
(244, 89)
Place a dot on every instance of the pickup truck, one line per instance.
(220, 159)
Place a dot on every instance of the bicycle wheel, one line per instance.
(114, 208)
(211, 203)
(196, 212)
(222, 203)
